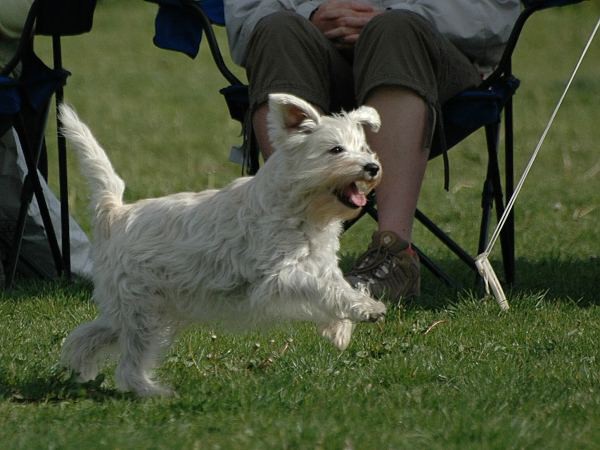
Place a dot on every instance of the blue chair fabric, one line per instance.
(10, 100)
(178, 30)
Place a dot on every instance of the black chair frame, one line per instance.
(48, 17)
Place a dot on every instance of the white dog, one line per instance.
(262, 249)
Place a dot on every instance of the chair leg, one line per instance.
(17, 239)
(487, 194)
(31, 187)
(493, 194)
(445, 239)
(509, 226)
(489, 185)
(434, 268)
(62, 171)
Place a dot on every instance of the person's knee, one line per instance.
(279, 25)
(285, 37)
(396, 24)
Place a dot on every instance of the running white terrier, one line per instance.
(263, 249)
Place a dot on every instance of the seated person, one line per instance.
(404, 58)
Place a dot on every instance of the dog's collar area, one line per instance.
(351, 196)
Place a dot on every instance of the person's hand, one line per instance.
(341, 21)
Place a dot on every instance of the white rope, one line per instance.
(484, 266)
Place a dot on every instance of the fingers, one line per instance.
(346, 30)
(342, 21)
(339, 13)
(349, 19)
(342, 34)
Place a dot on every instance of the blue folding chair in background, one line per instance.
(180, 25)
(25, 104)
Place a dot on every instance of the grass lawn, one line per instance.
(447, 371)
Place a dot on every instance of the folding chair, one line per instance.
(25, 103)
(469, 111)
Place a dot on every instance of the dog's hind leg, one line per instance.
(142, 346)
(86, 347)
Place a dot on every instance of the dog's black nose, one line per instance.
(371, 168)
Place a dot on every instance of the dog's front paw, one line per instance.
(369, 311)
(338, 332)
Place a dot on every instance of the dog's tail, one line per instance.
(105, 185)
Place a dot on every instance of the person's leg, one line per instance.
(288, 54)
(406, 83)
(404, 69)
(400, 147)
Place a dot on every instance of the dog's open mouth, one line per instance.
(353, 195)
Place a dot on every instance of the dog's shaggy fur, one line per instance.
(262, 249)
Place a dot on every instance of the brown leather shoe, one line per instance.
(389, 269)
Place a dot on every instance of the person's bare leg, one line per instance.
(399, 145)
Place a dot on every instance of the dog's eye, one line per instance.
(337, 149)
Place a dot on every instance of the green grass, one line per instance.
(448, 371)
(465, 376)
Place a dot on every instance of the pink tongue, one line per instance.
(355, 196)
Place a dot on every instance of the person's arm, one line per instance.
(242, 16)
(479, 29)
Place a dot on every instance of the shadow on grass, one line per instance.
(560, 280)
(59, 386)
(573, 280)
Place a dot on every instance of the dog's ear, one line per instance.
(288, 114)
(367, 116)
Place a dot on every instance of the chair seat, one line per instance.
(472, 109)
